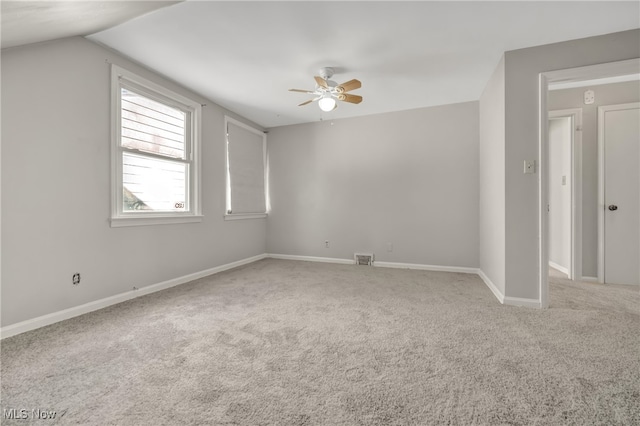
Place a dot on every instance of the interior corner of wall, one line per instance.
(494, 289)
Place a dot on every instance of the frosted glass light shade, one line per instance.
(327, 104)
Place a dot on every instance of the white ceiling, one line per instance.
(245, 55)
(25, 22)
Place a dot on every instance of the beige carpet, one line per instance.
(298, 343)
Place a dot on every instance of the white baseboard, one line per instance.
(436, 268)
(377, 263)
(518, 301)
(559, 268)
(44, 320)
(506, 300)
(495, 290)
(589, 279)
(311, 258)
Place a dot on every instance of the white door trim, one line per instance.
(601, 206)
(543, 193)
(611, 69)
(575, 262)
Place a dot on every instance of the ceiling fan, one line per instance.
(328, 92)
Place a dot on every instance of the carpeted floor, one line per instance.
(297, 343)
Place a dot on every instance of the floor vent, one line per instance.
(363, 258)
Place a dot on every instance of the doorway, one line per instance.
(564, 208)
(567, 76)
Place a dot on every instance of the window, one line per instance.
(155, 153)
(246, 158)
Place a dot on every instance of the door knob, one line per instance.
(613, 207)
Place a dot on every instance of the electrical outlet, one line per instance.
(326, 244)
(389, 247)
(76, 278)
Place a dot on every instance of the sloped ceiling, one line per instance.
(25, 22)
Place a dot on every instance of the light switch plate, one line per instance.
(529, 167)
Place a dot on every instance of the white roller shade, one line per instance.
(246, 169)
(151, 126)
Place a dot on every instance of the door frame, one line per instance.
(601, 179)
(609, 69)
(575, 215)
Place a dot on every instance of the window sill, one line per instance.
(242, 216)
(117, 222)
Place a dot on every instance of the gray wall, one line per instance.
(492, 179)
(407, 178)
(522, 69)
(56, 191)
(608, 94)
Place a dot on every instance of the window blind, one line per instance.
(246, 170)
(151, 126)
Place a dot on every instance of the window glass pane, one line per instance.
(151, 184)
(151, 126)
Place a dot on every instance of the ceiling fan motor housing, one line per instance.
(326, 72)
(332, 85)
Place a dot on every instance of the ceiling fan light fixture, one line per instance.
(328, 92)
(327, 103)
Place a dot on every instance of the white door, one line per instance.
(559, 168)
(619, 143)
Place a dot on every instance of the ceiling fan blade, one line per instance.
(321, 82)
(301, 91)
(349, 86)
(310, 100)
(354, 99)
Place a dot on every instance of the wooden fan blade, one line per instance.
(349, 86)
(310, 100)
(301, 91)
(354, 99)
(321, 82)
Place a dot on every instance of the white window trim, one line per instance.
(242, 216)
(120, 218)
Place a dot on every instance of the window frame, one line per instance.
(122, 78)
(262, 134)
